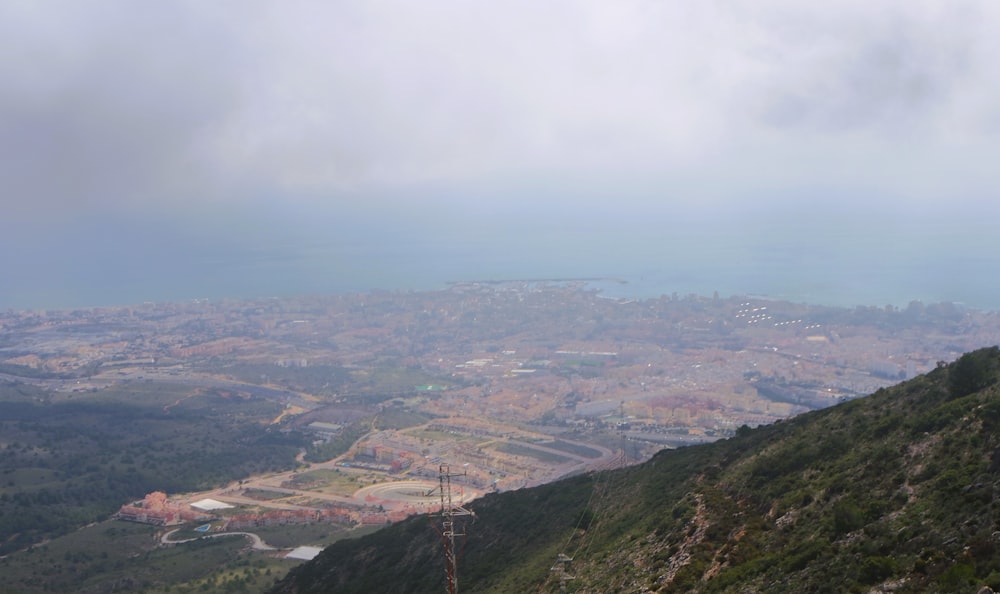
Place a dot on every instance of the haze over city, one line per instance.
(644, 295)
(833, 154)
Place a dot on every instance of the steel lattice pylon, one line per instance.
(449, 511)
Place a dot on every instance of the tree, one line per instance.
(973, 372)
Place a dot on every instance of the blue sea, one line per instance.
(832, 263)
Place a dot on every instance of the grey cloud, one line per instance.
(106, 108)
(108, 105)
(887, 70)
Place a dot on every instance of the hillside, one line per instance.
(68, 459)
(899, 491)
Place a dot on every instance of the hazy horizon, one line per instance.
(828, 264)
(838, 154)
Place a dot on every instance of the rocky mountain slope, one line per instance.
(899, 491)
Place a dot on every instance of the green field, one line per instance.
(328, 480)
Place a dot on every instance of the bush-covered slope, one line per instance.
(67, 460)
(898, 491)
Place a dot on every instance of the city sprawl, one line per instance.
(508, 384)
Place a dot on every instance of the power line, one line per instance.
(602, 489)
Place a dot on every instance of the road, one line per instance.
(256, 542)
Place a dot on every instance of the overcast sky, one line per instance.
(471, 109)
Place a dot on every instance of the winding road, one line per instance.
(256, 542)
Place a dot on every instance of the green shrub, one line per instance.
(847, 517)
(957, 576)
(877, 569)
